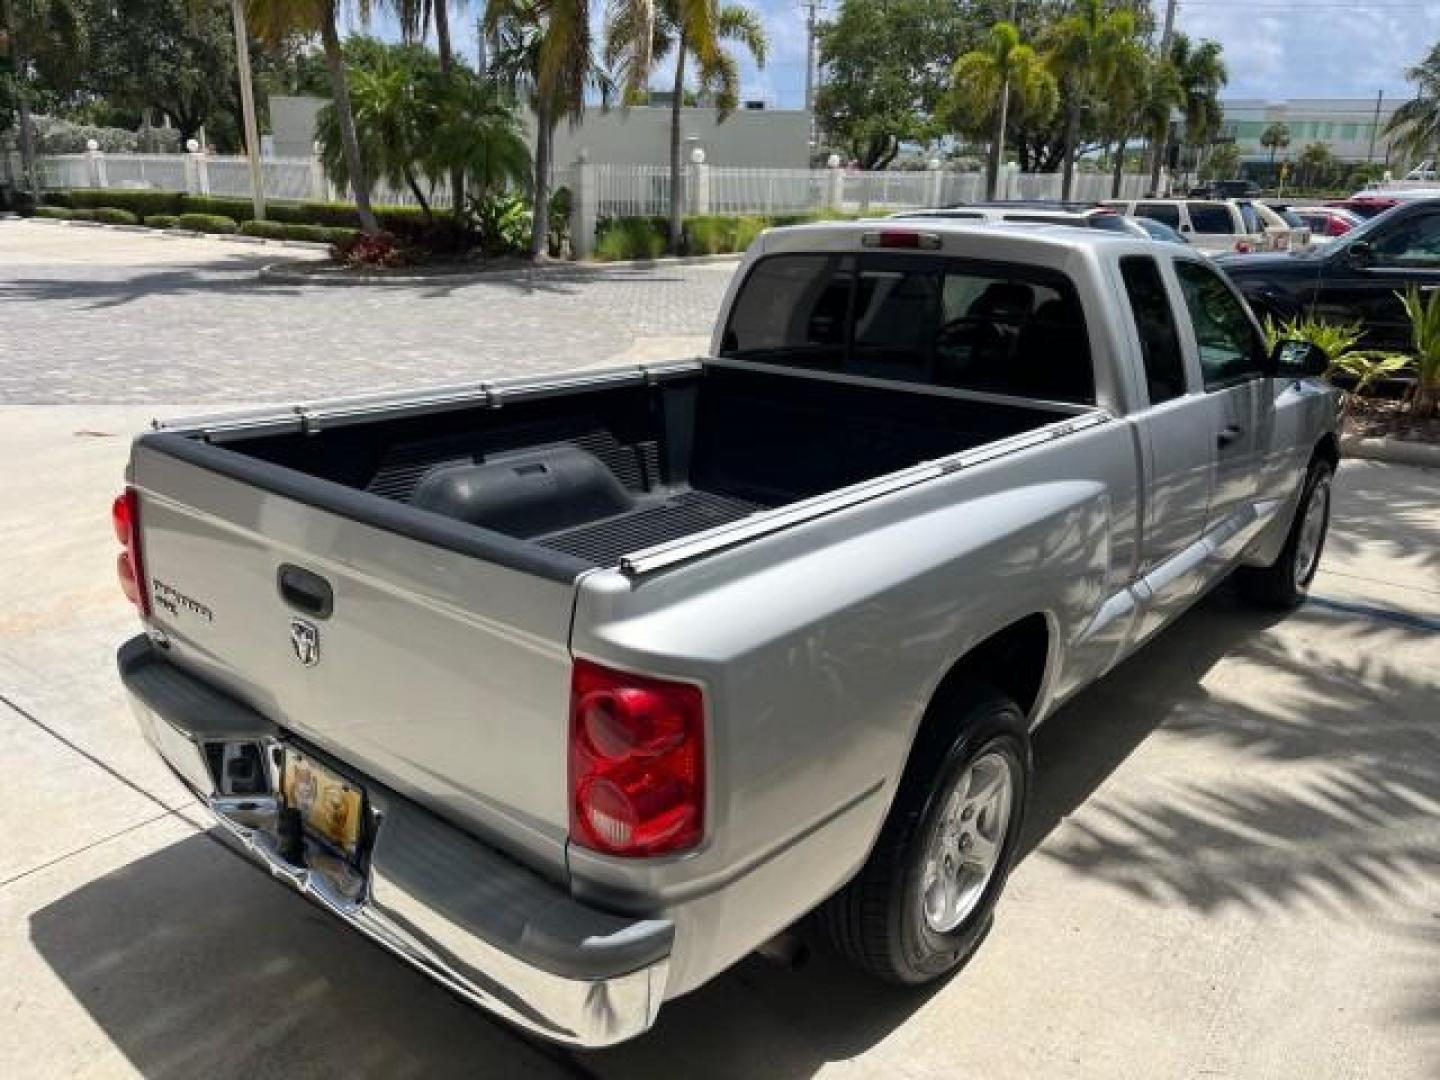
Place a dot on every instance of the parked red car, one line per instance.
(1365, 206)
(1327, 221)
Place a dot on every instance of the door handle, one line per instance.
(305, 590)
(1228, 434)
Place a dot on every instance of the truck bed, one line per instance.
(593, 474)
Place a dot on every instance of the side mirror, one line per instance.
(1293, 359)
(1360, 253)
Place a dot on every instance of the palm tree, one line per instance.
(1415, 125)
(1002, 81)
(276, 21)
(1088, 48)
(1275, 137)
(546, 46)
(1315, 162)
(694, 30)
(1202, 74)
(1164, 93)
(413, 16)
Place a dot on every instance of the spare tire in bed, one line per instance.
(526, 493)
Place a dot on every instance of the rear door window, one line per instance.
(1211, 218)
(1165, 213)
(924, 319)
(1155, 327)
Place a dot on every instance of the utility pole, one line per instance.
(1375, 127)
(1160, 145)
(811, 9)
(247, 107)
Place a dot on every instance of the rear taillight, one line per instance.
(1243, 247)
(1336, 226)
(125, 516)
(637, 762)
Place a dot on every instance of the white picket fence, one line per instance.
(620, 190)
(201, 174)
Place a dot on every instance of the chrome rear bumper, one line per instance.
(488, 929)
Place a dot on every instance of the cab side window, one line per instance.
(1230, 347)
(1211, 218)
(1165, 213)
(1413, 242)
(1155, 327)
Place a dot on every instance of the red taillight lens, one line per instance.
(125, 517)
(637, 762)
(1336, 226)
(904, 239)
(1242, 246)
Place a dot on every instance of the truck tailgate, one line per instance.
(437, 673)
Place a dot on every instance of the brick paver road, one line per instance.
(92, 315)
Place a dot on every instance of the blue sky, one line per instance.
(1274, 48)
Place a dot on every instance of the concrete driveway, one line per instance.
(1232, 865)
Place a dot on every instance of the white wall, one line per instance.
(292, 125)
(640, 135)
(757, 138)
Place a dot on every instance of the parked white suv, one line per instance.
(1212, 225)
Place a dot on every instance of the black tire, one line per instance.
(1284, 584)
(878, 921)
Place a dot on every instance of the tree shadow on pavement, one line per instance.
(192, 962)
(233, 274)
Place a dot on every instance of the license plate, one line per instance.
(330, 806)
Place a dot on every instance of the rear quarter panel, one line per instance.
(819, 649)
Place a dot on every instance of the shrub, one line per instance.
(113, 215)
(140, 203)
(710, 235)
(80, 215)
(161, 221)
(273, 230)
(235, 209)
(282, 230)
(503, 221)
(207, 223)
(58, 213)
(630, 238)
(56, 198)
(558, 242)
(361, 250)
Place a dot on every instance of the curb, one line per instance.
(177, 234)
(280, 274)
(1394, 451)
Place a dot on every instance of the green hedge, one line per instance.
(59, 213)
(631, 238)
(162, 221)
(140, 203)
(709, 234)
(113, 215)
(280, 230)
(80, 215)
(207, 223)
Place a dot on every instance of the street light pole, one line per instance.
(247, 106)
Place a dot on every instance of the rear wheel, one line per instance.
(1286, 581)
(923, 901)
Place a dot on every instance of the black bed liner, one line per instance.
(585, 477)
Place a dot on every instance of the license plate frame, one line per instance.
(331, 805)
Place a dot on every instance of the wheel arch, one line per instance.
(1015, 659)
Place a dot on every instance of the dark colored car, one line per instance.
(1356, 278)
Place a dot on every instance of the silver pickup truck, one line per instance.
(572, 691)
